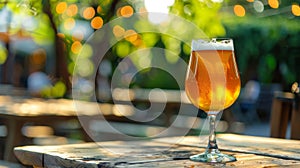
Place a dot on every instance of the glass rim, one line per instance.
(210, 39)
(212, 44)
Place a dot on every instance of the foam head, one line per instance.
(214, 44)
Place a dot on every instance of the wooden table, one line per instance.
(17, 111)
(167, 152)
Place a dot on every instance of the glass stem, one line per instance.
(212, 143)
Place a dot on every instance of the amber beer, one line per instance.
(212, 81)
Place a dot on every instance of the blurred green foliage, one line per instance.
(267, 49)
(202, 14)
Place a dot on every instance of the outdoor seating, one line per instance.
(151, 83)
(285, 113)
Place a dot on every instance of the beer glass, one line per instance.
(212, 84)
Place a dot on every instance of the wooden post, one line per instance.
(281, 107)
(14, 137)
(295, 123)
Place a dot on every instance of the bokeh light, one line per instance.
(118, 31)
(61, 7)
(258, 6)
(296, 9)
(149, 39)
(69, 23)
(250, 0)
(273, 3)
(138, 42)
(97, 22)
(72, 10)
(88, 13)
(239, 10)
(126, 11)
(130, 35)
(76, 47)
(38, 57)
(59, 89)
(86, 51)
(77, 35)
(122, 49)
(85, 67)
(3, 54)
(144, 61)
(99, 9)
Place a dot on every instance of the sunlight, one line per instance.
(158, 6)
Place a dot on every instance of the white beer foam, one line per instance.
(212, 45)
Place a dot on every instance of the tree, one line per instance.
(59, 19)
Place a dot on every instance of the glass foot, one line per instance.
(213, 158)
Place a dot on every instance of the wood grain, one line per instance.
(15, 111)
(163, 152)
(273, 147)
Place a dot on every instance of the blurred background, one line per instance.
(40, 41)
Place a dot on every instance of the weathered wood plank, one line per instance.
(273, 147)
(163, 152)
(16, 111)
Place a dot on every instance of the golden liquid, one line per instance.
(212, 81)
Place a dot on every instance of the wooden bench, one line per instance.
(283, 109)
(15, 112)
